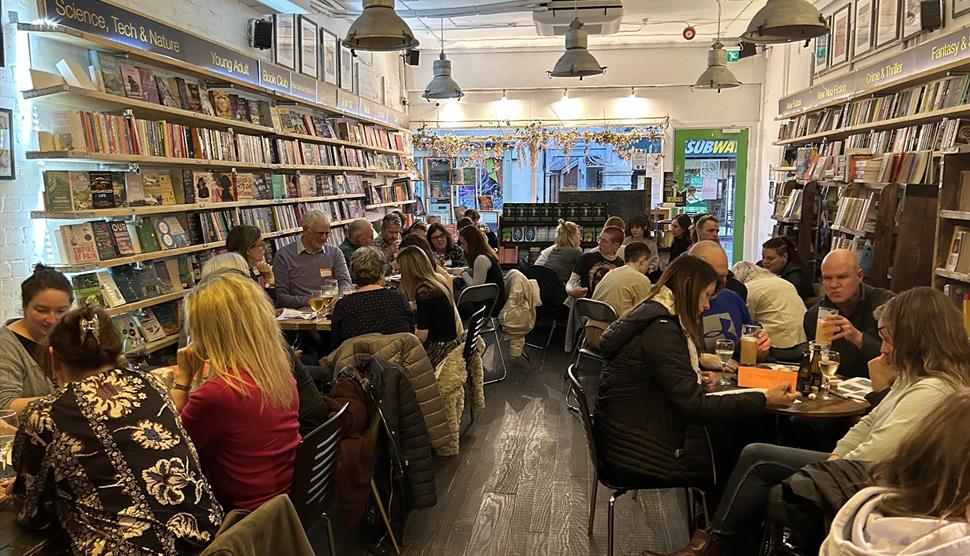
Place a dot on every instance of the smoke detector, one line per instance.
(599, 17)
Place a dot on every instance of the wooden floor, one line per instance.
(521, 483)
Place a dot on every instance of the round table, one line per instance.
(826, 409)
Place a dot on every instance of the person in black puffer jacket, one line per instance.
(651, 389)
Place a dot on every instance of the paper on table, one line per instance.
(290, 314)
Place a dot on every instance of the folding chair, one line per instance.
(485, 295)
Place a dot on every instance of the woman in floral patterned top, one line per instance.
(106, 454)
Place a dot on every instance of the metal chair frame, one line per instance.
(587, 309)
(476, 323)
(550, 303)
(487, 296)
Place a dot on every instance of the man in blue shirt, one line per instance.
(301, 266)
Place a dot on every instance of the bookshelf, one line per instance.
(527, 228)
(951, 267)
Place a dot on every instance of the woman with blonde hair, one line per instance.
(563, 255)
(243, 415)
(436, 322)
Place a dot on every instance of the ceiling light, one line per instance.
(717, 75)
(784, 21)
(442, 85)
(576, 61)
(379, 28)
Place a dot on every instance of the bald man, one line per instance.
(359, 234)
(854, 332)
(728, 311)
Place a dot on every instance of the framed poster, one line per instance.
(887, 22)
(309, 55)
(862, 42)
(356, 88)
(6, 145)
(346, 68)
(284, 40)
(960, 7)
(328, 59)
(840, 36)
(822, 48)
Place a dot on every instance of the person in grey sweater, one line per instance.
(563, 255)
(46, 296)
(925, 344)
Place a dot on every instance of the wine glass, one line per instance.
(317, 302)
(829, 365)
(136, 352)
(8, 430)
(724, 348)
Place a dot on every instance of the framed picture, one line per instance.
(862, 42)
(911, 18)
(284, 40)
(346, 68)
(356, 89)
(6, 145)
(822, 48)
(887, 22)
(309, 55)
(329, 64)
(839, 31)
(960, 7)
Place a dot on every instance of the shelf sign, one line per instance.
(220, 59)
(303, 87)
(275, 78)
(118, 25)
(348, 102)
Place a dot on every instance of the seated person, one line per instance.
(623, 288)
(301, 266)
(372, 307)
(247, 242)
(446, 251)
(46, 296)
(249, 450)
(482, 262)
(680, 229)
(476, 218)
(446, 277)
(727, 313)
(780, 256)
(853, 332)
(774, 303)
(920, 499)
(389, 240)
(359, 234)
(593, 266)
(924, 341)
(419, 229)
(638, 229)
(436, 319)
(105, 455)
(563, 255)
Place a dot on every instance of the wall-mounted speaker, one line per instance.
(747, 49)
(930, 15)
(261, 33)
(412, 57)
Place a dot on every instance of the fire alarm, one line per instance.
(689, 33)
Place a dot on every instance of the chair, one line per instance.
(273, 527)
(314, 487)
(552, 313)
(485, 295)
(589, 309)
(476, 323)
(599, 475)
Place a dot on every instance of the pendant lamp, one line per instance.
(717, 76)
(380, 29)
(576, 61)
(782, 21)
(442, 86)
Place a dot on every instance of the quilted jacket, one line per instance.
(518, 316)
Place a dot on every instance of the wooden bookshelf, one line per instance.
(903, 121)
(157, 345)
(955, 215)
(949, 218)
(958, 276)
(130, 307)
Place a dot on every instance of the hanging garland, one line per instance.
(530, 140)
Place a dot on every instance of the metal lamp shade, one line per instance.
(379, 29)
(717, 76)
(442, 86)
(576, 61)
(782, 21)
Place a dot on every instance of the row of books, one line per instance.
(116, 76)
(152, 324)
(397, 190)
(860, 246)
(857, 213)
(789, 206)
(550, 214)
(958, 257)
(93, 132)
(906, 168)
(512, 255)
(936, 95)
(69, 190)
(541, 234)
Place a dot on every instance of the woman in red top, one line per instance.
(243, 416)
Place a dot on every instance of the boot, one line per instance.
(701, 544)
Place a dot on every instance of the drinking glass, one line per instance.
(724, 349)
(821, 332)
(136, 352)
(829, 365)
(8, 429)
(749, 344)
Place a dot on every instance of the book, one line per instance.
(109, 66)
(165, 92)
(121, 237)
(146, 281)
(958, 258)
(173, 87)
(57, 191)
(74, 75)
(118, 188)
(307, 186)
(132, 81)
(146, 235)
(225, 189)
(150, 328)
(204, 184)
(80, 190)
(102, 190)
(195, 100)
(127, 327)
(149, 89)
(221, 104)
(135, 189)
(278, 186)
(124, 278)
(78, 243)
(262, 186)
(205, 102)
(183, 91)
(245, 187)
(109, 290)
(104, 240)
(152, 187)
(169, 232)
(166, 284)
(166, 188)
(87, 290)
(167, 317)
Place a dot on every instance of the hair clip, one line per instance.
(90, 326)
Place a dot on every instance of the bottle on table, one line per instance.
(815, 377)
(803, 384)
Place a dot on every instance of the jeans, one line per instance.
(760, 467)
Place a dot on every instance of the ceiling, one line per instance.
(644, 22)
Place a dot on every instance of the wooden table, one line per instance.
(826, 409)
(305, 325)
(17, 540)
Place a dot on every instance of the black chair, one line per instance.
(589, 309)
(484, 295)
(476, 323)
(601, 475)
(314, 486)
(553, 312)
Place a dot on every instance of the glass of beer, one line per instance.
(821, 331)
(724, 348)
(829, 365)
(749, 344)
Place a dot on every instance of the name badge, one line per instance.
(326, 273)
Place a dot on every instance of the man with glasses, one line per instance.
(593, 266)
(301, 266)
(389, 240)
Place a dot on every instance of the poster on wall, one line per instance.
(863, 28)
(309, 57)
(466, 196)
(887, 22)
(6, 145)
(490, 185)
(911, 18)
(438, 172)
(960, 7)
(822, 50)
(673, 195)
(840, 36)
(284, 40)
(346, 68)
(329, 63)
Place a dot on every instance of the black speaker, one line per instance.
(412, 57)
(747, 49)
(261, 33)
(930, 15)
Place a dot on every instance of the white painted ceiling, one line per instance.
(644, 22)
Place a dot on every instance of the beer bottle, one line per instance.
(815, 378)
(803, 385)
